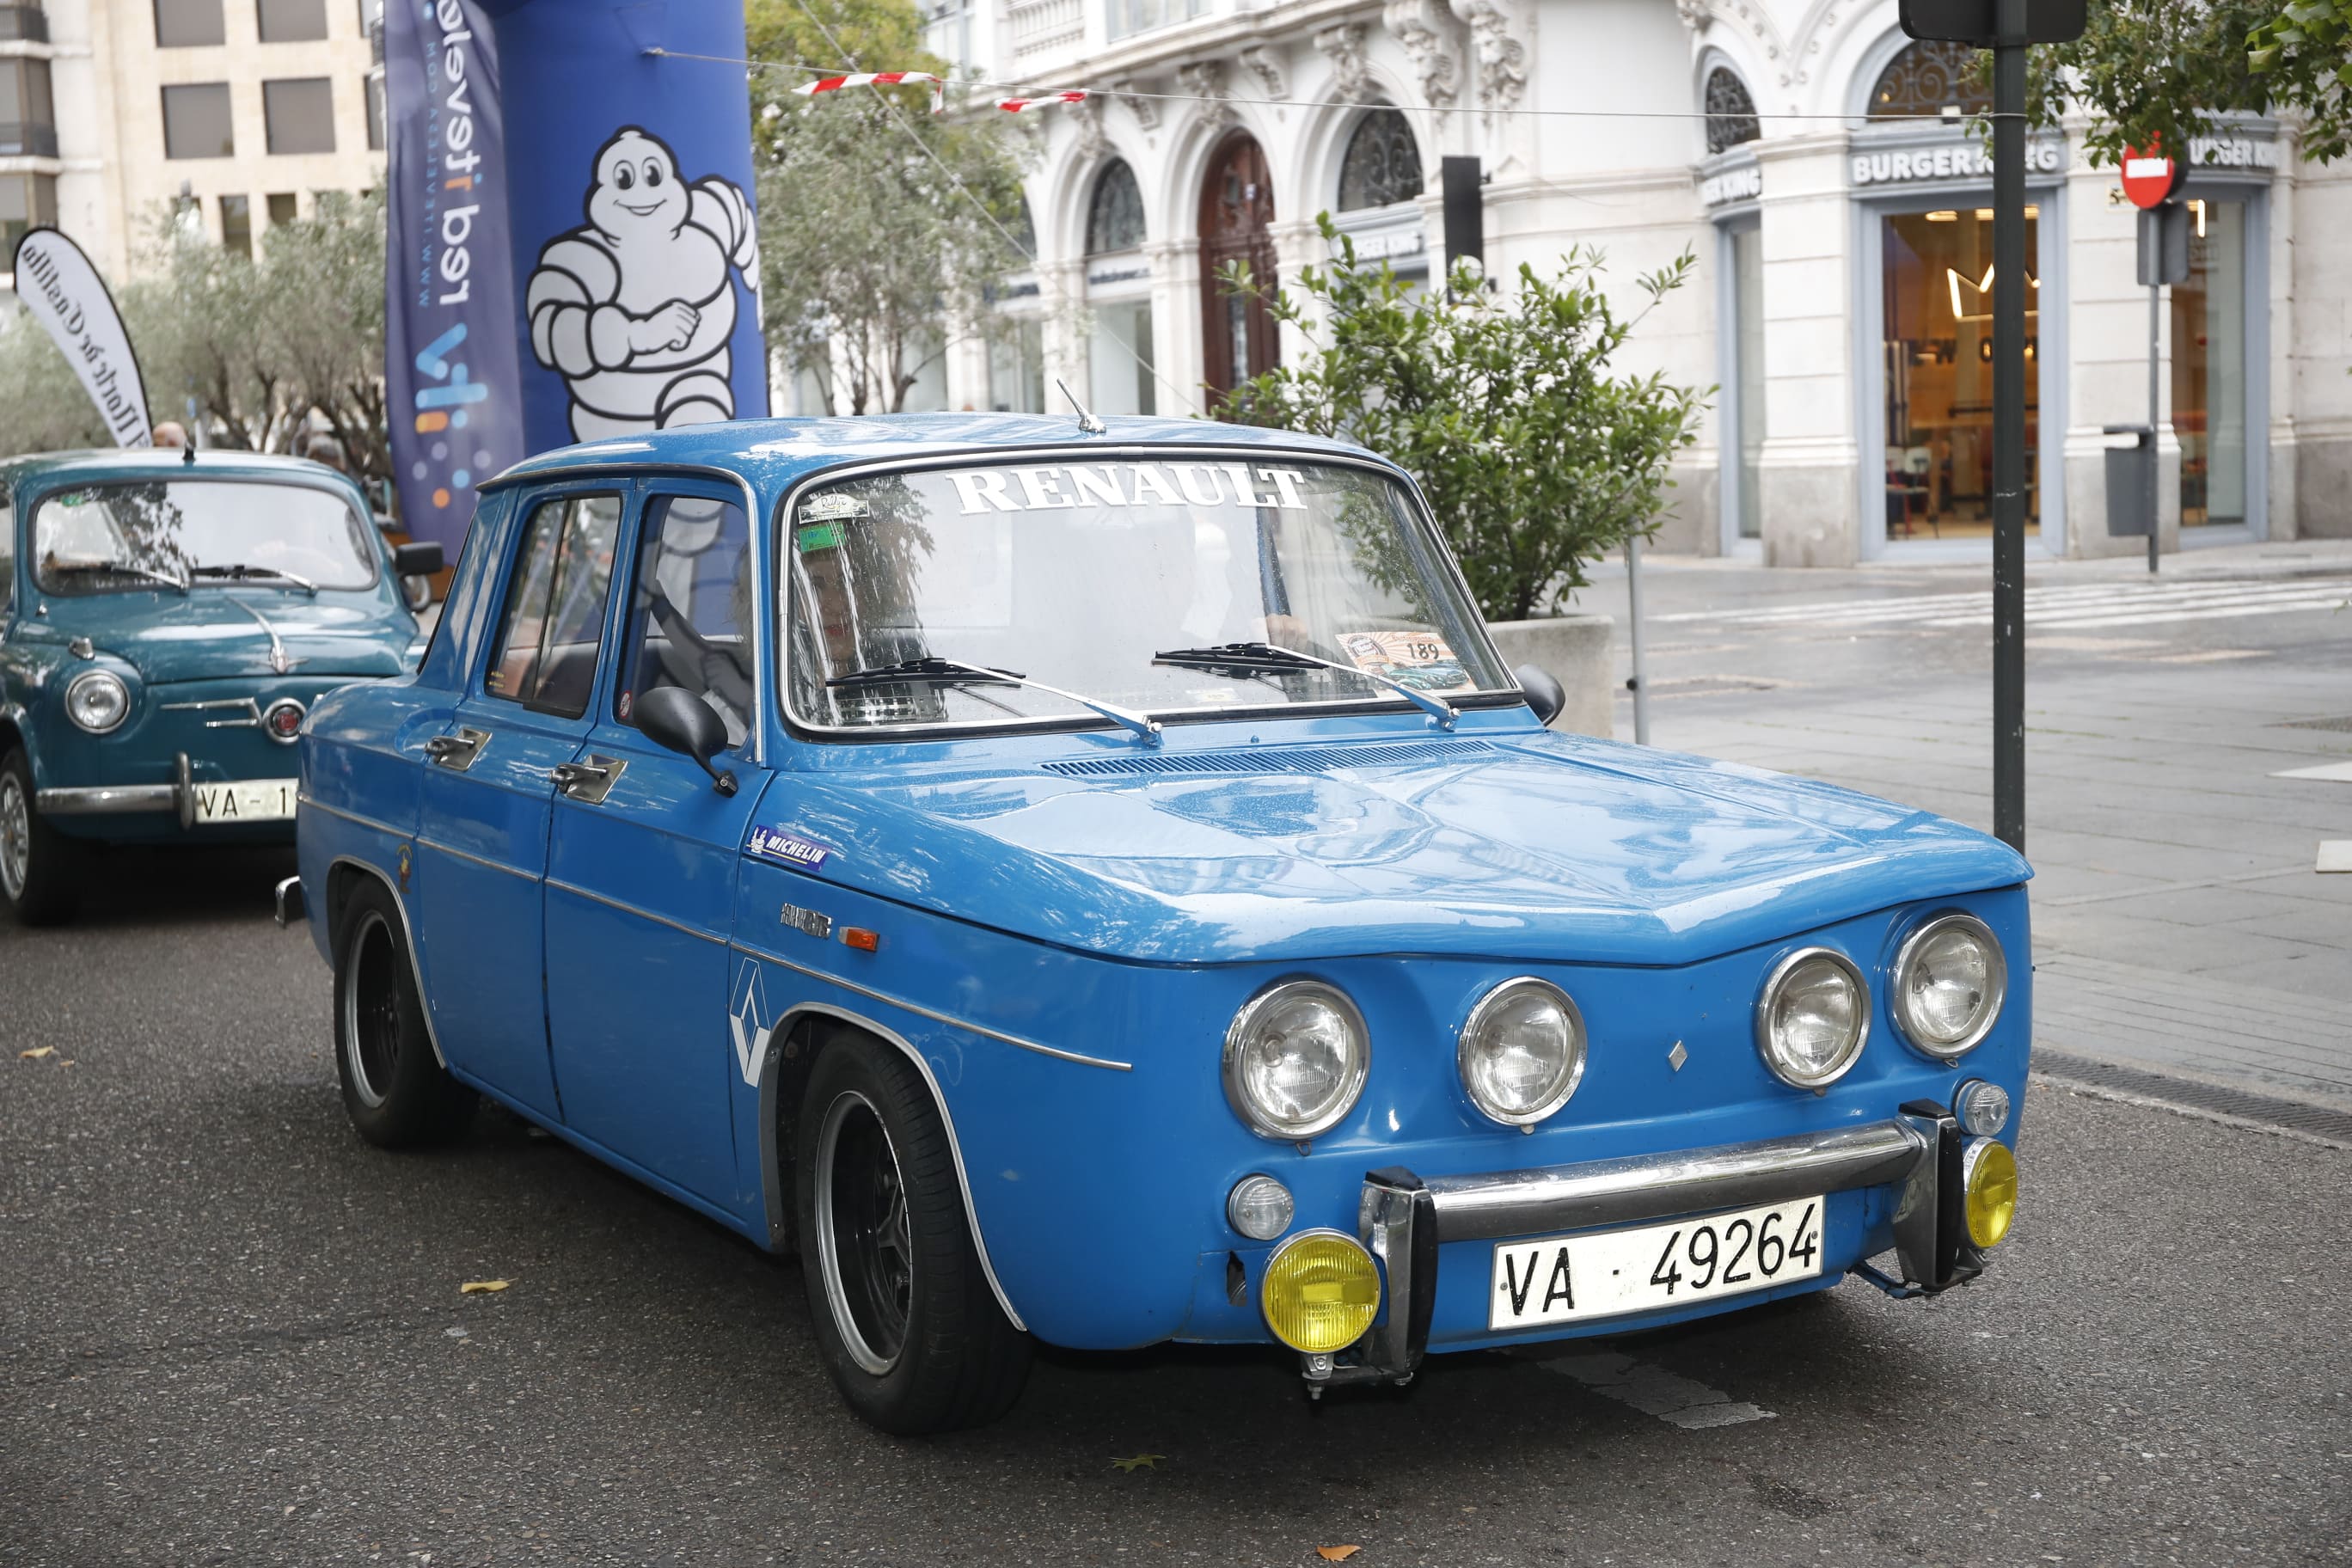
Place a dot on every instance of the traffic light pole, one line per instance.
(2009, 423)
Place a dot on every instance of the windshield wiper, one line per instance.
(124, 568)
(955, 672)
(1242, 660)
(240, 570)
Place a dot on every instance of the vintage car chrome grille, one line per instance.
(1276, 760)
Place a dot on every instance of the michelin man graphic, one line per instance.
(634, 307)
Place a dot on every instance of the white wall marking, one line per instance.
(1655, 1390)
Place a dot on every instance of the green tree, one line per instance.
(2152, 73)
(1536, 457)
(881, 226)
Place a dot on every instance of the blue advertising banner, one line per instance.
(630, 205)
(450, 355)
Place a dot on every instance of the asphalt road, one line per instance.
(230, 1332)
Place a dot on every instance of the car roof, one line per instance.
(146, 462)
(771, 453)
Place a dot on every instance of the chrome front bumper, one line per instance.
(1403, 1218)
(106, 800)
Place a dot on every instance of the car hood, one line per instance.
(218, 632)
(1528, 845)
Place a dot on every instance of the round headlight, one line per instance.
(1812, 1017)
(1989, 1178)
(98, 701)
(1983, 1108)
(1949, 980)
(1321, 1291)
(1294, 1059)
(1522, 1051)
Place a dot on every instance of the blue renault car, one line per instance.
(166, 620)
(1101, 887)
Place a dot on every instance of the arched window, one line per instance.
(1024, 232)
(1730, 113)
(1115, 217)
(1931, 79)
(1382, 164)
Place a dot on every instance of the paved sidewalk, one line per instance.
(2180, 925)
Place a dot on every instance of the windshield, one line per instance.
(1080, 575)
(199, 533)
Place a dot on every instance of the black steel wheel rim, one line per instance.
(371, 1011)
(865, 1241)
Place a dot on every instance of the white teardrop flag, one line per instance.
(64, 292)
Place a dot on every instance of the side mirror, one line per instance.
(673, 717)
(420, 558)
(1544, 693)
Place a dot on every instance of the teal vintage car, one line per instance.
(167, 619)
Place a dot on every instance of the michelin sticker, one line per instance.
(791, 849)
(634, 307)
(751, 1021)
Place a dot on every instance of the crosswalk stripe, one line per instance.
(2057, 605)
(1655, 1390)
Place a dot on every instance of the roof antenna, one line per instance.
(1086, 421)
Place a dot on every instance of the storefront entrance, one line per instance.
(1935, 281)
(2209, 366)
(1237, 212)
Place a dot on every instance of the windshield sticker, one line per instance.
(824, 536)
(1422, 660)
(832, 507)
(1060, 488)
(789, 848)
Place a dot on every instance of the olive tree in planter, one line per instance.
(1536, 458)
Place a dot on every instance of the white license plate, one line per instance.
(245, 800)
(1565, 1279)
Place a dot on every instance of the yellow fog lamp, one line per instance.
(1988, 1180)
(1320, 1291)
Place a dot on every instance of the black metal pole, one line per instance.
(2009, 423)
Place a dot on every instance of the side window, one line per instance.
(690, 609)
(7, 555)
(554, 620)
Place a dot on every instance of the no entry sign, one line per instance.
(2150, 177)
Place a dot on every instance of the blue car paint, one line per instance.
(205, 645)
(1068, 923)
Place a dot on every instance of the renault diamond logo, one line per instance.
(752, 1023)
(1675, 1057)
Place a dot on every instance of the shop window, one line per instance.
(293, 21)
(299, 114)
(2209, 366)
(189, 23)
(1934, 79)
(1936, 283)
(371, 89)
(196, 121)
(1119, 358)
(1016, 368)
(1382, 164)
(1747, 347)
(1115, 217)
(1730, 113)
(237, 225)
(27, 202)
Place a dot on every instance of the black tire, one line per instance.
(396, 1090)
(40, 869)
(910, 1327)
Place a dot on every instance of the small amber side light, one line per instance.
(861, 939)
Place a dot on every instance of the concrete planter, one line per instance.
(1574, 650)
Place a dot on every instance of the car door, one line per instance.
(643, 854)
(488, 786)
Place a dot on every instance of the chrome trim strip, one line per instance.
(407, 937)
(1658, 1186)
(252, 707)
(643, 914)
(97, 800)
(277, 660)
(948, 1018)
(315, 804)
(772, 1178)
(457, 853)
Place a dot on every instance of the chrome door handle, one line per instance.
(588, 781)
(456, 752)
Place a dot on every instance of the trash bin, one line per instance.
(2131, 483)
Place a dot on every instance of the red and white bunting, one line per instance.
(878, 79)
(1042, 100)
